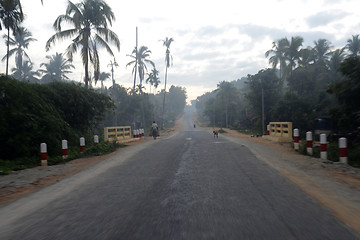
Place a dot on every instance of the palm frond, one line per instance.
(60, 36)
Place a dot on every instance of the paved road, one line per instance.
(187, 186)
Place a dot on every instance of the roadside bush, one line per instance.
(101, 148)
(333, 151)
(221, 130)
(354, 156)
(34, 113)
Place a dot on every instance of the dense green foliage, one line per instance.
(310, 82)
(33, 113)
(348, 92)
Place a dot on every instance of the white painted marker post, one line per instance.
(82, 144)
(296, 139)
(64, 145)
(309, 146)
(268, 129)
(343, 150)
(43, 151)
(96, 140)
(323, 146)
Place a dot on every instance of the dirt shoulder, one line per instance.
(21, 183)
(335, 185)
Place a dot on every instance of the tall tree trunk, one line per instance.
(136, 57)
(163, 113)
(7, 51)
(86, 75)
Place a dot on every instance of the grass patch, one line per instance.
(221, 130)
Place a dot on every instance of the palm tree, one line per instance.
(167, 42)
(10, 10)
(11, 16)
(156, 83)
(353, 45)
(112, 65)
(139, 88)
(140, 60)
(307, 57)
(336, 59)
(21, 41)
(278, 54)
(322, 50)
(102, 77)
(292, 53)
(57, 68)
(25, 73)
(153, 77)
(90, 20)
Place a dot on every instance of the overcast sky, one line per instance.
(214, 40)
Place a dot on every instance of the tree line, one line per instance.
(303, 83)
(36, 113)
(88, 29)
(87, 24)
(59, 108)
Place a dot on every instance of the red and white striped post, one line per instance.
(96, 140)
(43, 151)
(296, 139)
(343, 150)
(82, 144)
(134, 133)
(309, 143)
(268, 129)
(64, 145)
(323, 146)
(142, 132)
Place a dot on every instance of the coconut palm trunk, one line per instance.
(163, 113)
(167, 42)
(7, 52)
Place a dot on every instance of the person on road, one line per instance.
(154, 128)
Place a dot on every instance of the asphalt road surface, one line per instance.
(187, 186)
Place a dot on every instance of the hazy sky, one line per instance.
(214, 40)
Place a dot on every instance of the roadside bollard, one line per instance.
(142, 132)
(296, 139)
(268, 129)
(134, 133)
(64, 145)
(343, 150)
(82, 144)
(309, 147)
(323, 146)
(96, 140)
(43, 151)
